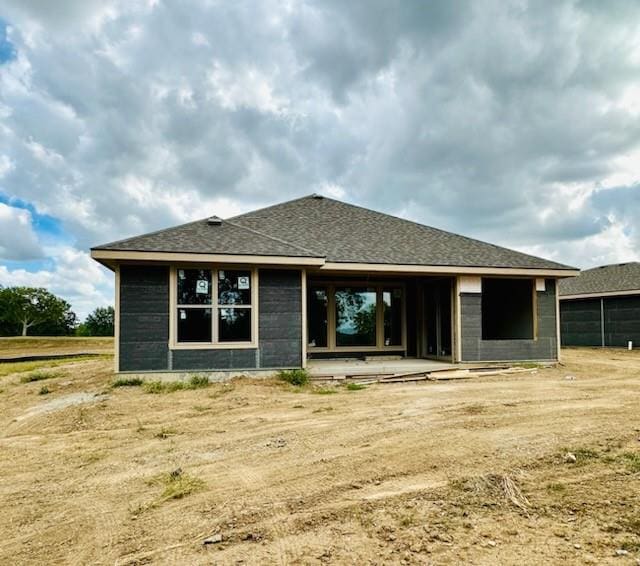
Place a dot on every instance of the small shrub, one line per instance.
(296, 377)
(176, 485)
(127, 382)
(355, 386)
(44, 390)
(38, 376)
(195, 382)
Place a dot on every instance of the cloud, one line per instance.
(75, 276)
(507, 121)
(18, 241)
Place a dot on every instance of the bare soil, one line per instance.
(474, 472)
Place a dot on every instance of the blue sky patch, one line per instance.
(43, 224)
(7, 49)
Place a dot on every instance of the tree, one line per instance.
(22, 308)
(98, 323)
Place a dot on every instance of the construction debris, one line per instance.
(430, 375)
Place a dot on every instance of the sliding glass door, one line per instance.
(354, 317)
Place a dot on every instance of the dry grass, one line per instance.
(467, 472)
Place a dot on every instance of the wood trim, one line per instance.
(116, 320)
(305, 338)
(450, 270)
(205, 258)
(598, 295)
(214, 306)
(324, 265)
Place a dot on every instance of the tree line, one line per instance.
(34, 311)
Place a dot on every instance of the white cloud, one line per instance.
(120, 117)
(18, 241)
(75, 276)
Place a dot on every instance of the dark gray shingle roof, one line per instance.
(605, 279)
(340, 232)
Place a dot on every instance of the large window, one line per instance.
(214, 306)
(507, 309)
(353, 317)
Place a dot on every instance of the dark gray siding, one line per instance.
(144, 325)
(280, 318)
(474, 348)
(144, 318)
(622, 321)
(581, 321)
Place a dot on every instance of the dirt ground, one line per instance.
(474, 472)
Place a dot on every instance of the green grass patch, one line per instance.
(176, 485)
(355, 386)
(127, 382)
(324, 390)
(195, 382)
(44, 390)
(631, 460)
(39, 376)
(298, 377)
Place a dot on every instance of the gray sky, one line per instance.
(510, 121)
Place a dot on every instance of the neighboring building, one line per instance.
(601, 307)
(318, 278)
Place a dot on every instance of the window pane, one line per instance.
(317, 316)
(194, 325)
(194, 287)
(234, 325)
(392, 301)
(355, 317)
(234, 287)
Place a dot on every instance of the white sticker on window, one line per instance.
(181, 273)
(183, 315)
(243, 283)
(221, 274)
(202, 287)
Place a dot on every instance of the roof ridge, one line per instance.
(274, 238)
(270, 207)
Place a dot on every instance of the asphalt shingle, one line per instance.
(604, 279)
(322, 227)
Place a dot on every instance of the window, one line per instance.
(507, 309)
(392, 304)
(317, 310)
(214, 306)
(355, 317)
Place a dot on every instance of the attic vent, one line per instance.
(317, 196)
(214, 221)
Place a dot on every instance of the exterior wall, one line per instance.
(474, 348)
(581, 323)
(144, 325)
